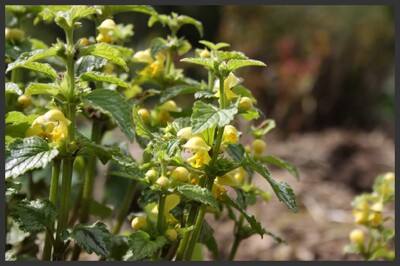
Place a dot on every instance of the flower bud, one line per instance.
(375, 218)
(171, 234)
(170, 106)
(143, 56)
(162, 181)
(245, 103)
(184, 133)
(24, 100)
(357, 236)
(84, 41)
(152, 175)
(205, 53)
(259, 146)
(16, 35)
(197, 143)
(140, 223)
(230, 135)
(180, 173)
(144, 114)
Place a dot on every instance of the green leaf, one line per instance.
(12, 188)
(92, 238)
(172, 92)
(197, 193)
(11, 87)
(142, 246)
(105, 51)
(221, 167)
(236, 151)
(182, 20)
(141, 128)
(282, 164)
(109, 10)
(17, 118)
(263, 128)
(250, 115)
(206, 116)
(213, 46)
(39, 67)
(282, 190)
(89, 63)
(256, 226)
(42, 88)
(67, 19)
(112, 103)
(33, 216)
(119, 247)
(99, 76)
(207, 62)
(238, 63)
(27, 154)
(32, 57)
(228, 55)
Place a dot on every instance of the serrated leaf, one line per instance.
(119, 247)
(141, 128)
(282, 164)
(89, 63)
(236, 151)
(39, 67)
(172, 92)
(234, 64)
(12, 188)
(33, 216)
(204, 94)
(31, 57)
(92, 238)
(221, 167)
(228, 55)
(112, 103)
(105, 51)
(282, 190)
(142, 246)
(197, 193)
(42, 88)
(256, 226)
(213, 46)
(206, 116)
(67, 19)
(250, 115)
(27, 154)
(99, 76)
(13, 88)
(207, 62)
(101, 210)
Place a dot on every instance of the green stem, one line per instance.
(126, 203)
(211, 78)
(88, 185)
(237, 239)
(65, 200)
(161, 217)
(172, 250)
(222, 97)
(168, 62)
(68, 163)
(53, 199)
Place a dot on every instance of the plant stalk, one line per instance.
(53, 199)
(161, 223)
(237, 240)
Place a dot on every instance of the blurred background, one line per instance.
(328, 84)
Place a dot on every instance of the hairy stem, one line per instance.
(53, 199)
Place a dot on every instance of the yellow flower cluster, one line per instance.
(230, 82)
(154, 67)
(106, 31)
(199, 147)
(52, 126)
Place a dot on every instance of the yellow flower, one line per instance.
(184, 133)
(375, 218)
(180, 173)
(104, 38)
(171, 201)
(196, 143)
(357, 236)
(143, 57)
(106, 26)
(217, 190)
(228, 179)
(245, 103)
(230, 135)
(230, 82)
(52, 126)
(200, 158)
(240, 175)
(154, 66)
